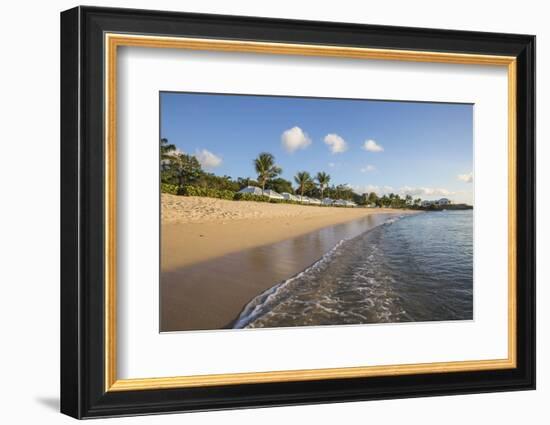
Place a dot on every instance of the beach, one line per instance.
(217, 255)
(196, 229)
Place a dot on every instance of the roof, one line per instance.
(251, 189)
(273, 194)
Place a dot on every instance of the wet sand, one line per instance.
(207, 280)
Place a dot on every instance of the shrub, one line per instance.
(173, 189)
(190, 190)
(207, 192)
(250, 197)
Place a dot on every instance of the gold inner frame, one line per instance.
(113, 41)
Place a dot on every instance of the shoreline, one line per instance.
(195, 229)
(215, 276)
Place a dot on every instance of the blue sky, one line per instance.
(422, 149)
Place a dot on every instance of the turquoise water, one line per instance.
(409, 269)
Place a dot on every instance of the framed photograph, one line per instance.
(261, 212)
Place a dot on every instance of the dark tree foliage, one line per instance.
(166, 149)
(304, 181)
(372, 198)
(266, 168)
(341, 191)
(180, 169)
(279, 185)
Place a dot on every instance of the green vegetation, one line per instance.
(182, 174)
(173, 189)
(279, 185)
(265, 168)
(304, 181)
(181, 169)
(393, 200)
(250, 197)
(208, 192)
(457, 207)
(166, 149)
(323, 179)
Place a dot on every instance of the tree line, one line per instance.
(182, 169)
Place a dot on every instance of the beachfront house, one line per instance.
(327, 201)
(314, 201)
(339, 203)
(290, 196)
(254, 190)
(271, 194)
(437, 203)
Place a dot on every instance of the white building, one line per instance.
(327, 201)
(290, 196)
(314, 201)
(271, 194)
(254, 190)
(437, 203)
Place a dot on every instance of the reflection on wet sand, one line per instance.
(211, 294)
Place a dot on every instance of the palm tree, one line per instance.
(266, 168)
(323, 179)
(303, 180)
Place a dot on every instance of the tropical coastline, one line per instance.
(395, 272)
(265, 224)
(213, 266)
(196, 229)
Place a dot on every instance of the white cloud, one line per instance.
(368, 169)
(295, 138)
(371, 146)
(424, 191)
(379, 190)
(207, 159)
(467, 178)
(336, 143)
(332, 164)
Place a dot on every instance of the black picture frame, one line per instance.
(83, 392)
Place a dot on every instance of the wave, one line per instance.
(262, 304)
(267, 301)
(393, 219)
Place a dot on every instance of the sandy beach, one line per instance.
(195, 229)
(217, 255)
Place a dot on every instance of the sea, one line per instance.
(408, 268)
